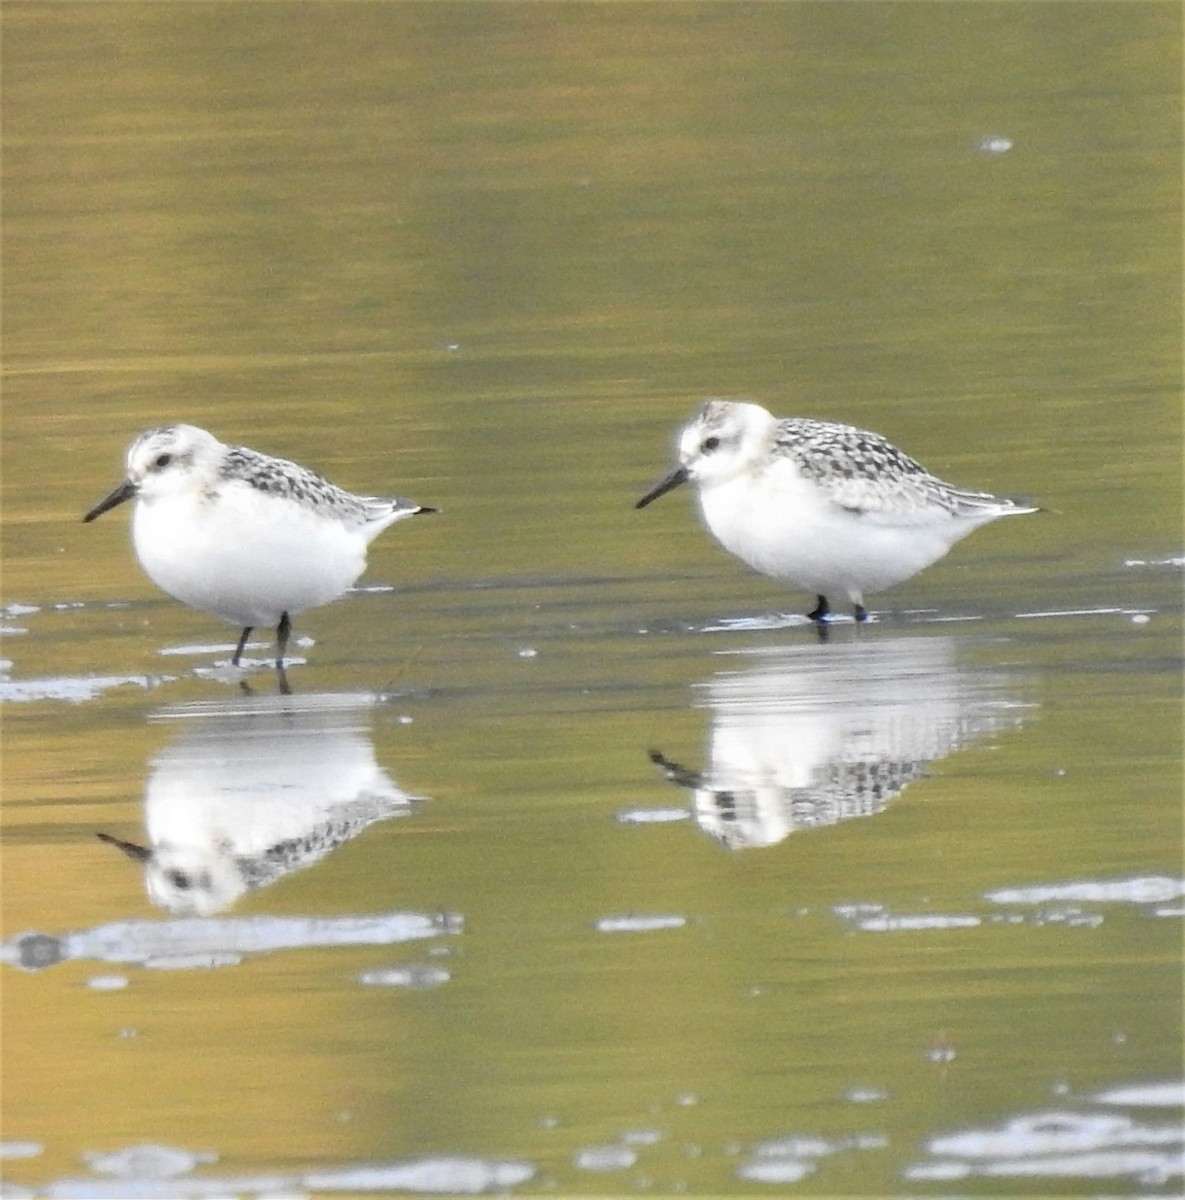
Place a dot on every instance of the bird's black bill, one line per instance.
(125, 491)
(139, 853)
(665, 484)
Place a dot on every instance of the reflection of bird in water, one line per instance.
(828, 508)
(809, 736)
(765, 813)
(253, 793)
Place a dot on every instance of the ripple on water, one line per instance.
(639, 923)
(1058, 1144)
(163, 1173)
(16, 1149)
(605, 1158)
(652, 816)
(1136, 889)
(415, 976)
(146, 1162)
(442, 1175)
(1043, 904)
(787, 1159)
(206, 941)
(1156, 1093)
(72, 689)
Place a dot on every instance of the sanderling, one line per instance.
(247, 537)
(819, 506)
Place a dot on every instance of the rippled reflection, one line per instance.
(167, 1173)
(1066, 1144)
(254, 789)
(205, 942)
(810, 735)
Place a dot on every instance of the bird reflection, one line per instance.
(811, 735)
(253, 790)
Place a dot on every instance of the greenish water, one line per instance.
(902, 913)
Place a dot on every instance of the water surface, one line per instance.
(575, 861)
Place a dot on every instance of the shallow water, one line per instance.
(575, 861)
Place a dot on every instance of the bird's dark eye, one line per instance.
(162, 461)
(179, 880)
(710, 444)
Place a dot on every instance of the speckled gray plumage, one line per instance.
(290, 481)
(295, 853)
(279, 477)
(859, 469)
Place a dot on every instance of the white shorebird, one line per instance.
(828, 508)
(241, 535)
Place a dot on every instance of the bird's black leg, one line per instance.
(282, 631)
(234, 662)
(860, 612)
(820, 611)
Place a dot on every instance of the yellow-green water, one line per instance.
(490, 256)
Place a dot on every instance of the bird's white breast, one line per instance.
(787, 527)
(244, 555)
